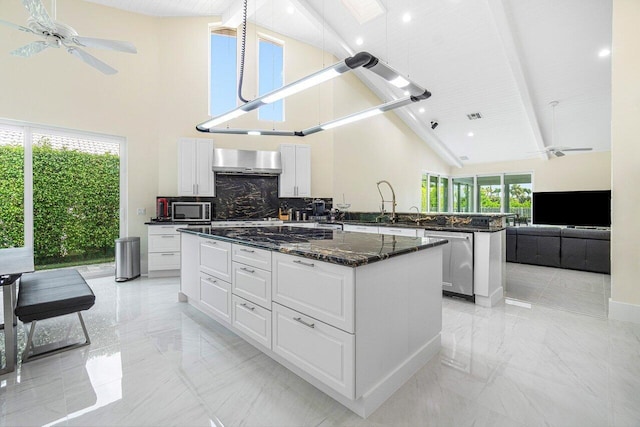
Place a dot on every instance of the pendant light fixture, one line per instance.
(365, 60)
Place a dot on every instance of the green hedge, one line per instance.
(76, 202)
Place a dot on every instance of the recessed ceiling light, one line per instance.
(290, 10)
(421, 110)
(470, 134)
(604, 53)
(359, 41)
(406, 17)
(407, 93)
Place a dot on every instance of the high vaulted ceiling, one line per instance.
(505, 59)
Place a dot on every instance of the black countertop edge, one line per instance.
(462, 229)
(333, 256)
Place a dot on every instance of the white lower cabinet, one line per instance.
(164, 250)
(215, 295)
(252, 283)
(325, 352)
(215, 258)
(319, 289)
(251, 319)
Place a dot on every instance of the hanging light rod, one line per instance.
(361, 59)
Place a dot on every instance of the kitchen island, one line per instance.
(354, 314)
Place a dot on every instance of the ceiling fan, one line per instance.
(56, 34)
(557, 150)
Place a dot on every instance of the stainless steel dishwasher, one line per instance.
(457, 260)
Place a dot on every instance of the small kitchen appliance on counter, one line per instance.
(162, 209)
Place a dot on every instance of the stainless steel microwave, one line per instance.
(191, 211)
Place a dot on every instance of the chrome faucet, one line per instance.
(394, 217)
(417, 211)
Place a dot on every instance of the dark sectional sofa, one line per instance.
(573, 248)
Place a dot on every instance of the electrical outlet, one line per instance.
(142, 211)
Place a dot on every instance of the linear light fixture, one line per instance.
(415, 93)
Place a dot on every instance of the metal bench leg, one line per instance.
(32, 353)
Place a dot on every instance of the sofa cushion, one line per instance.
(538, 246)
(580, 233)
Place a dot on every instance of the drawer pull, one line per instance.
(248, 270)
(213, 242)
(245, 305)
(211, 280)
(167, 254)
(308, 264)
(168, 237)
(247, 250)
(309, 325)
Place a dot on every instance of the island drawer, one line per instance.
(215, 258)
(325, 352)
(252, 283)
(259, 258)
(215, 296)
(319, 289)
(252, 320)
(164, 260)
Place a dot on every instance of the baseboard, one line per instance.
(494, 299)
(624, 312)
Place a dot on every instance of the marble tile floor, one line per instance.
(155, 361)
(579, 292)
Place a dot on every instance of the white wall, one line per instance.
(574, 172)
(625, 156)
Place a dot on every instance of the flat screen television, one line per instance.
(573, 208)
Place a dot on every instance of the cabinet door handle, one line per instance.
(247, 250)
(211, 280)
(168, 237)
(245, 305)
(308, 264)
(168, 254)
(309, 325)
(248, 270)
(213, 242)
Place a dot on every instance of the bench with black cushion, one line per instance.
(585, 249)
(46, 294)
(538, 246)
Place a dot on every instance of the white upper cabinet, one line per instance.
(195, 159)
(295, 180)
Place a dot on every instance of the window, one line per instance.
(12, 189)
(223, 85)
(61, 193)
(489, 194)
(463, 194)
(517, 196)
(270, 78)
(435, 193)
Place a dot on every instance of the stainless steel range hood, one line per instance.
(227, 160)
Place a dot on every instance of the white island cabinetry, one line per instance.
(357, 333)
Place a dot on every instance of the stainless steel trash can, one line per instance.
(127, 258)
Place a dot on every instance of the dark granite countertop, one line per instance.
(333, 246)
(456, 228)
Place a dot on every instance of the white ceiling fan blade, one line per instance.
(118, 45)
(39, 13)
(91, 60)
(16, 26)
(30, 49)
(577, 149)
